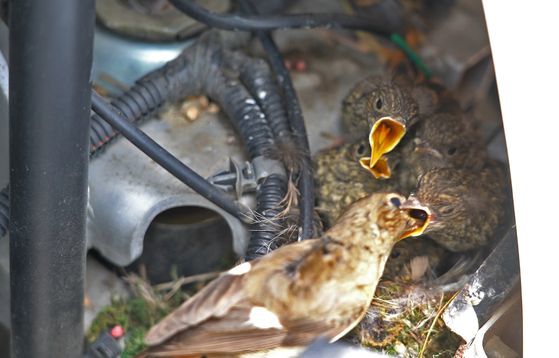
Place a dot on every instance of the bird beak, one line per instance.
(422, 147)
(385, 135)
(420, 215)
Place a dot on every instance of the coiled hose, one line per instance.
(199, 70)
(267, 233)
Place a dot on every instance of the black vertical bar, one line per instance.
(50, 64)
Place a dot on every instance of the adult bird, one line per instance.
(314, 288)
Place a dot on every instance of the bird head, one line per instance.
(391, 110)
(442, 199)
(447, 140)
(379, 216)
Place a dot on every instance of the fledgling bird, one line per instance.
(382, 110)
(441, 140)
(340, 180)
(295, 294)
(463, 208)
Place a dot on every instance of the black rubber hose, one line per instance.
(380, 25)
(174, 166)
(4, 211)
(146, 96)
(267, 228)
(260, 81)
(297, 123)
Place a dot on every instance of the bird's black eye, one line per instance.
(378, 104)
(394, 254)
(396, 202)
(361, 149)
(446, 210)
(418, 214)
(451, 151)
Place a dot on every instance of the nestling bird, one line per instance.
(340, 180)
(441, 140)
(463, 208)
(381, 110)
(315, 288)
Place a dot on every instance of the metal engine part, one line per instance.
(128, 190)
(155, 20)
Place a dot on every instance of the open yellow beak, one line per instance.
(421, 215)
(385, 136)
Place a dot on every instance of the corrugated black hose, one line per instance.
(198, 70)
(297, 124)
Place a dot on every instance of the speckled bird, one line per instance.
(441, 140)
(314, 288)
(340, 180)
(382, 110)
(464, 208)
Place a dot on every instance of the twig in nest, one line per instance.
(143, 289)
(437, 316)
(174, 286)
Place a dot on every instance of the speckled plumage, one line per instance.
(467, 206)
(319, 287)
(441, 140)
(375, 97)
(340, 180)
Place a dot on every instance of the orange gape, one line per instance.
(384, 137)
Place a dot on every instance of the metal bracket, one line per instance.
(245, 179)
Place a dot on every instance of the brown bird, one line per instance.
(340, 180)
(441, 140)
(463, 208)
(295, 294)
(381, 110)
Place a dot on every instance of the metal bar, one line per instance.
(50, 63)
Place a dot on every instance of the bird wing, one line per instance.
(214, 300)
(247, 309)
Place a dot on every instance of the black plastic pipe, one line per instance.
(174, 166)
(377, 23)
(51, 45)
(297, 123)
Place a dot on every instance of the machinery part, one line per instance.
(185, 241)
(4, 211)
(486, 290)
(381, 25)
(140, 190)
(51, 47)
(245, 180)
(151, 20)
(105, 346)
(166, 159)
(136, 58)
(269, 225)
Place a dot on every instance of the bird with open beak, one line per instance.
(461, 209)
(381, 111)
(314, 288)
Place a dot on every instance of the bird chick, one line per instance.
(441, 140)
(314, 288)
(382, 110)
(340, 180)
(413, 260)
(463, 208)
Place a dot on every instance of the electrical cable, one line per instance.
(161, 156)
(297, 123)
(380, 25)
(383, 26)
